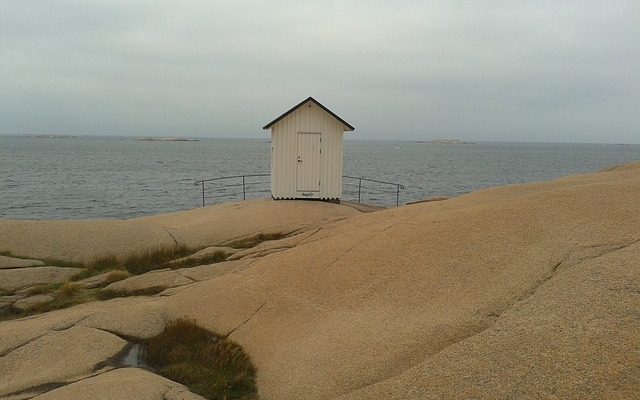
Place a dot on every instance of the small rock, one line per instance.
(210, 250)
(102, 279)
(154, 279)
(32, 301)
(6, 303)
(204, 272)
(11, 262)
(14, 279)
(10, 299)
(29, 291)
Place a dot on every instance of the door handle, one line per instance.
(299, 159)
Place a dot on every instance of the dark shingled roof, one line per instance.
(275, 121)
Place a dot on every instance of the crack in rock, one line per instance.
(38, 390)
(14, 348)
(68, 325)
(493, 316)
(246, 321)
(170, 235)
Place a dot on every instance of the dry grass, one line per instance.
(66, 295)
(205, 362)
(115, 276)
(154, 258)
(67, 290)
(138, 263)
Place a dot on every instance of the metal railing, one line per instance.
(376, 186)
(224, 188)
(249, 185)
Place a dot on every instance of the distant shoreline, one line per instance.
(164, 139)
(443, 141)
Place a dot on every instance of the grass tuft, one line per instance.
(115, 276)
(207, 363)
(104, 263)
(138, 263)
(154, 258)
(67, 290)
(68, 294)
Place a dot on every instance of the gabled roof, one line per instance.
(347, 126)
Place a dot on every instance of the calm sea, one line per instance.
(90, 177)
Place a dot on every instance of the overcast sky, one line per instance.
(530, 70)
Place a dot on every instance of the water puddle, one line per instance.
(134, 356)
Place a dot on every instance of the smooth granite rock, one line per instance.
(122, 384)
(521, 292)
(150, 280)
(57, 356)
(32, 301)
(11, 262)
(14, 279)
(101, 280)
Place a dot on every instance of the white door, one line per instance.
(308, 165)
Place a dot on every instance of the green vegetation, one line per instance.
(207, 363)
(154, 258)
(64, 295)
(151, 259)
(253, 241)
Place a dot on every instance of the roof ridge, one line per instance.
(310, 98)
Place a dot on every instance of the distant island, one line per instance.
(443, 141)
(51, 136)
(165, 139)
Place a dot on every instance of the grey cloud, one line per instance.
(490, 70)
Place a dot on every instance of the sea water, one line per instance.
(119, 177)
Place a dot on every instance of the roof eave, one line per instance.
(347, 126)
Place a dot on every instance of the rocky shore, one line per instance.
(523, 291)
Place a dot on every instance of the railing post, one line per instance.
(359, 186)
(244, 194)
(397, 195)
(202, 193)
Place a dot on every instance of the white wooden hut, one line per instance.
(306, 152)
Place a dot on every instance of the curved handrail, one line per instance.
(244, 185)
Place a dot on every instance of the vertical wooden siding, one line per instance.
(308, 118)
